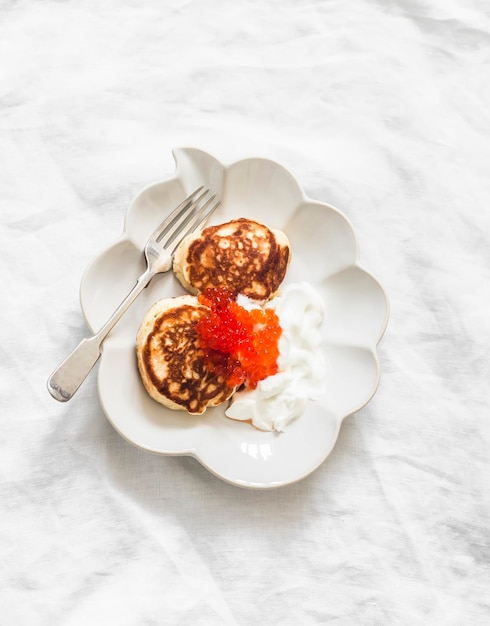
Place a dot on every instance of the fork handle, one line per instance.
(67, 377)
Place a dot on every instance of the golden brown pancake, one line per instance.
(242, 255)
(170, 360)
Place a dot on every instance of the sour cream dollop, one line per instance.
(281, 398)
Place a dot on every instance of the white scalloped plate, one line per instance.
(324, 252)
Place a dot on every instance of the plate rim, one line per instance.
(192, 451)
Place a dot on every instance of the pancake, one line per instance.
(170, 360)
(243, 255)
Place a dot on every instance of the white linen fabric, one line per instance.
(380, 108)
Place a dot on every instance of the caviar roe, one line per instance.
(240, 345)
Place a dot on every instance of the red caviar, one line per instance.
(240, 345)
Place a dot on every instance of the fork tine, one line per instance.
(169, 222)
(198, 219)
(191, 217)
(181, 220)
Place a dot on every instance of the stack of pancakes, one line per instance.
(242, 255)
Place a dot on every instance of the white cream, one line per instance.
(280, 399)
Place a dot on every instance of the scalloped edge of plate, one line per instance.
(177, 179)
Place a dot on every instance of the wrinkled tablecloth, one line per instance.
(379, 108)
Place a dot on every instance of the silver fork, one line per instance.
(159, 249)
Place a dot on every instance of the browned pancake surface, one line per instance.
(171, 361)
(242, 255)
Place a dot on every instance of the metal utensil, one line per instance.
(159, 249)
